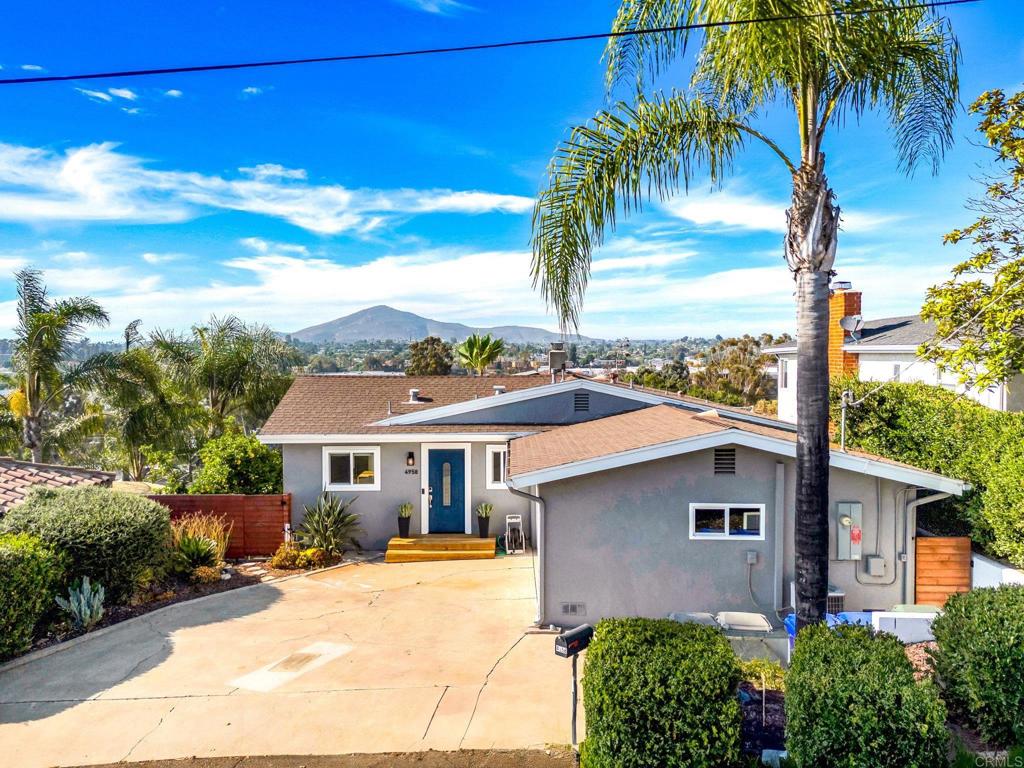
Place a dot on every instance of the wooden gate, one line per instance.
(943, 568)
(257, 522)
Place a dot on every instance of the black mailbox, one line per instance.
(572, 641)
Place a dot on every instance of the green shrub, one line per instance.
(286, 558)
(193, 552)
(30, 573)
(937, 430)
(109, 536)
(328, 525)
(660, 693)
(765, 674)
(237, 463)
(980, 660)
(851, 700)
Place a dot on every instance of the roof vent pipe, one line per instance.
(499, 389)
(414, 395)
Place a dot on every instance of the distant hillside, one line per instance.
(382, 323)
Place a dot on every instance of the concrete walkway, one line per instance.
(371, 657)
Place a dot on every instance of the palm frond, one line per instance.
(622, 157)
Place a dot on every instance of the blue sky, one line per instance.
(294, 195)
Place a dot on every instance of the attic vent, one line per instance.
(574, 609)
(725, 461)
(581, 401)
(414, 395)
(499, 389)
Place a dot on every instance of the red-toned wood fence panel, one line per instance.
(943, 568)
(257, 521)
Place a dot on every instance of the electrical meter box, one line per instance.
(849, 534)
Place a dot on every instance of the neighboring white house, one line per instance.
(883, 350)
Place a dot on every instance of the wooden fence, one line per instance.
(257, 521)
(943, 568)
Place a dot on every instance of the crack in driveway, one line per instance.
(147, 734)
(487, 679)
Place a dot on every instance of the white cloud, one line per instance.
(123, 93)
(131, 110)
(9, 264)
(95, 95)
(630, 253)
(440, 7)
(173, 93)
(251, 90)
(729, 208)
(76, 257)
(160, 258)
(98, 183)
(259, 245)
(33, 68)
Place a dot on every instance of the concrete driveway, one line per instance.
(365, 658)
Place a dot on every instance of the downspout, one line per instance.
(909, 529)
(539, 533)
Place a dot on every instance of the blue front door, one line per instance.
(447, 491)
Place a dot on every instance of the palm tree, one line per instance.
(838, 60)
(237, 369)
(45, 381)
(477, 352)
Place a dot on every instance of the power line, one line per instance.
(468, 48)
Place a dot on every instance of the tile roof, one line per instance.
(334, 405)
(17, 478)
(633, 430)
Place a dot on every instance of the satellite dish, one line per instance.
(851, 323)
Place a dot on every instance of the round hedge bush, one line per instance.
(107, 535)
(30, 573)
(660, 693)
(851, 700)
(980, 660)
(237, 463)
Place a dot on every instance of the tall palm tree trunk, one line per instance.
(32, 436)
(810, 251)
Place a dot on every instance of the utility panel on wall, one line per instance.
(848, 530)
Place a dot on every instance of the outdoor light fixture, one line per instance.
(410, 459)
(845, 520)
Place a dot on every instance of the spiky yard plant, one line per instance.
(84, 604)
(839, 60)
(194, 551)
(329, 525)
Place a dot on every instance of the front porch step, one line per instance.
(417, 549)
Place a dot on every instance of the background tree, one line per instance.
(236, 369)
(429, 357)
(477, 352)
(835, 62)
(237, 463)
(43, 401)
(983, 303)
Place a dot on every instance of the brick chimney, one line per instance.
(842, 303)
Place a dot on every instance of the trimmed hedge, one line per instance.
(237, 463)
(851, 700)
(30, 573)
(932, 428)
(980, 660)
(107, 535)
(660, 693)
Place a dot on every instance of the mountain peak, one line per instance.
(384, 323)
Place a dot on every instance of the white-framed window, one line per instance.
(783, 374)
(496, 467)
(352, 467)
(738, 522)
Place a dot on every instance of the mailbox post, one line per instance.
(568, 645)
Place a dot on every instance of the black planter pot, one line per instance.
(484, 524)
(403, 527)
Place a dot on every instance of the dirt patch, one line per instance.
(920, 656)
(764, 719)
(469, 758)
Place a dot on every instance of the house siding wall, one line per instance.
(619, 541)
(303, 478)
(550, 409)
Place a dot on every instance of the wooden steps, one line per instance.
(441, 546)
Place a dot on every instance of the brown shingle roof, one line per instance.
(629, 431)
(17, 478)
(331, 405)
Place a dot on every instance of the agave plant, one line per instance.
(195, 552)
(329, 525)
(84, 604)
(484, 509)
(405, 510)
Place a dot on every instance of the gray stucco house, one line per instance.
(636, 502)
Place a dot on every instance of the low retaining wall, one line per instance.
(987, 572)
(257, 521)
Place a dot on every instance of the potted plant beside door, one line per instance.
(404, 515)
(483, 517)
